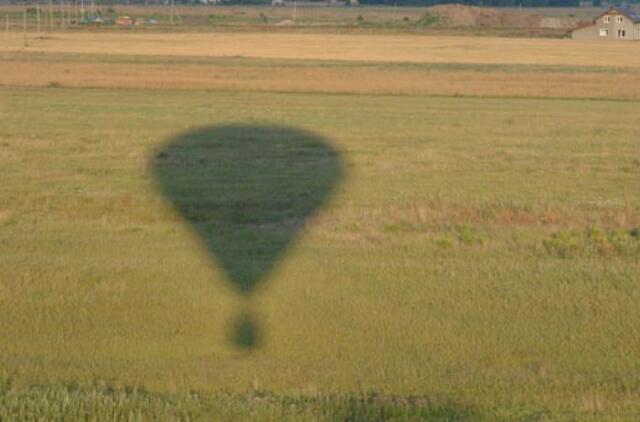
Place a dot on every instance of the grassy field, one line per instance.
(470, 254)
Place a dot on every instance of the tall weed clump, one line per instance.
(594, 242)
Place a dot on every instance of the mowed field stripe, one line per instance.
(394, 80)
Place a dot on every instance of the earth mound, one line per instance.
(458, 15)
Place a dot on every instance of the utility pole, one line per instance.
(24, 27)
(38, 16)
(6, 34)
(295, 5)
(61, 13)
(51, 14)
(172, 12)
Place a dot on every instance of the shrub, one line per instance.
(429, 19)
(468, 235)
(594, 241)
(622, 242)
(398, 227)
(444, 243)
(563, 244)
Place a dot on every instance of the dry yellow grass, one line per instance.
(319, 78)
(382, 48)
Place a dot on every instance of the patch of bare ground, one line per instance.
(460, 15)
(4, 215)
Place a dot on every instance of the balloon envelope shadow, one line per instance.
(247, 190)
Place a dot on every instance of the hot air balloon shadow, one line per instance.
(246, 191)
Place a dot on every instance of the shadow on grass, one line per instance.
(247, 190)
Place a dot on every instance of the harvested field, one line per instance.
(389, 48)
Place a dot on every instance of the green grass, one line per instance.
(431, 270)
(102, 402)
